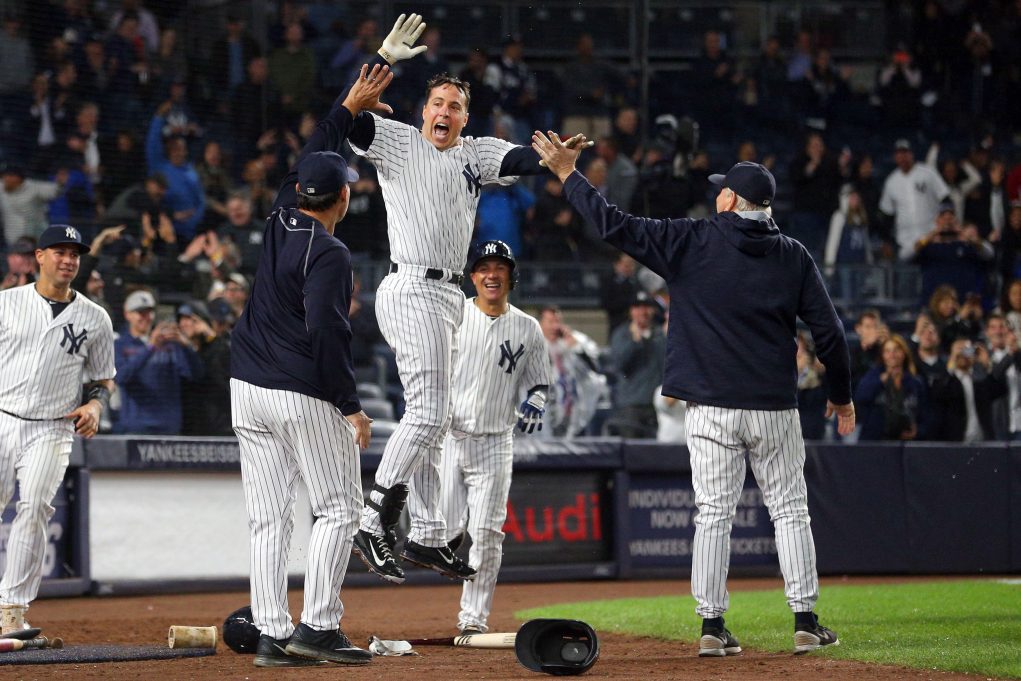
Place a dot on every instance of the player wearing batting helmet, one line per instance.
(735, 283)
(495, 249)
(501, 379)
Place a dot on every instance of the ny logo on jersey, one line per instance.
(474, 180)
(73, 341)
(511, 358)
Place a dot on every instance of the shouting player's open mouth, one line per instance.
(441, 132)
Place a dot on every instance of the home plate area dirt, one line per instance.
(399, 612)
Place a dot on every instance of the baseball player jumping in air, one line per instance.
(502, 376)
(53, 340)
(293, 402)
(737, 287)
(431, 179)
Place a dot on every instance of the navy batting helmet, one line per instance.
(494, 248)
(558, 647)
(239, 631)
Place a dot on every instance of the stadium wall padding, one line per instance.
(152, 512)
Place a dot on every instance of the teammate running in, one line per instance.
(502, 360)
(293, 402)
(737, 287)
(431, 179)
(53, 340)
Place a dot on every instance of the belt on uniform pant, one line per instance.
(434, 273)
(25, 418)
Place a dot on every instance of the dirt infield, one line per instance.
(416, 611)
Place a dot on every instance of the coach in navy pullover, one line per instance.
(294, 333)
(736, 287)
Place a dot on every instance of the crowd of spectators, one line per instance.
(168, 157)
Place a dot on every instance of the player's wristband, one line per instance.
(101, 394)
(537, 398)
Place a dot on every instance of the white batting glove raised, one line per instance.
(400, 44)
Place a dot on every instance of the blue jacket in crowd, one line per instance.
(149, 381)
(884, 414)
(184, 188)
(736, 287)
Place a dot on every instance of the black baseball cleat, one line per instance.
(809, 635)
(441, 559)
(717, 642)
(331, 646)
(455, 543)
(272, 652)
(469, 631)
(378, 556)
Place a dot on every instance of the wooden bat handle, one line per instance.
(8, 645)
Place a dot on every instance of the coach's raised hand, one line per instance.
(558, 156)
(399, 45)
(367, 88)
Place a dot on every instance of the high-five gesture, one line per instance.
(560, 157)
(400, 44)
(364, 94)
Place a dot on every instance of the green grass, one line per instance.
(962, 626)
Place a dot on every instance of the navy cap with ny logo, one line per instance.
(56, 235)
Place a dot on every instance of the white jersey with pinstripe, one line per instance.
(499, 361)
(431, 197)
(47, 360)
(718, 438)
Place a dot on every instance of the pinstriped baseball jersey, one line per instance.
(47, 359)
(498, 360)
(431, 195)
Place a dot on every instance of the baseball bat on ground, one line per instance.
(11, 644)
(494, 641)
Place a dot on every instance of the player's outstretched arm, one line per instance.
(650, 241)
(330, 132)
(396, 47)
(366, 90)
(524, 160)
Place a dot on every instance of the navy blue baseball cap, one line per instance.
(57, 235)
(323, 172)
(751, 181)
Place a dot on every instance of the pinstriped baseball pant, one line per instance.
(476, 480)
(717, 441)
(35, 455)
(420, 319)
(284, 434)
